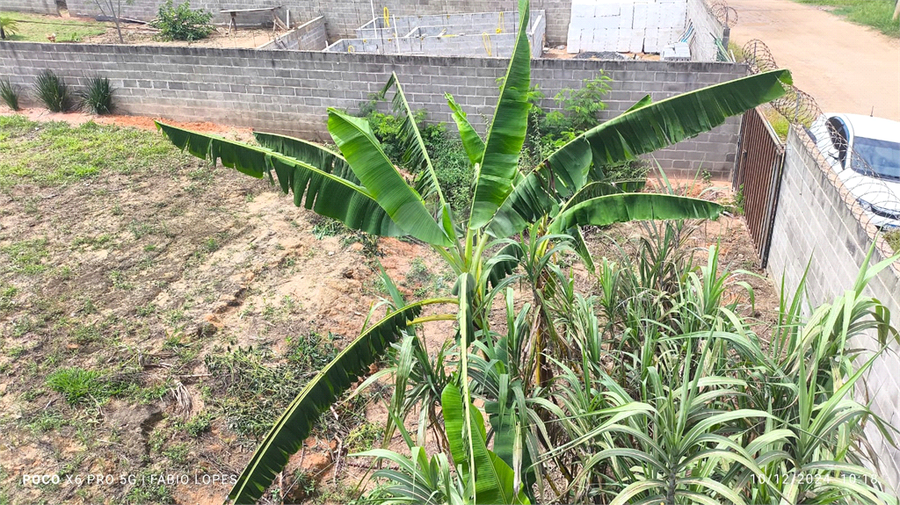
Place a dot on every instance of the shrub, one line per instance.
(52, 92)
(451, 165)
(97, 98)
(10, 94)
(182, 22)
(548, 131)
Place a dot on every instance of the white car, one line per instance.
(865, 153)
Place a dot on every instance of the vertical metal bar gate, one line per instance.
(757, 177)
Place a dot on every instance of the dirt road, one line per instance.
(846, 67)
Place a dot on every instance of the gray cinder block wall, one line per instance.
(706, 30)
(36, 6)
(288, 91)
(814, 222)
(344, 17)
(309, 36)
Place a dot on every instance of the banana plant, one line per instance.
(360, 186)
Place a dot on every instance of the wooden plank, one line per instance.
(264, 9)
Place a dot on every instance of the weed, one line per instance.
(76, 384)
(149, 488)
(362, 438)
(146, 310)
(707, 176)
(7, 297)
(9, 94)
(98, 96)
(53, 92)
(893, 239)
(177, 453)
(327, 227)
(252, 387)
(85, 334)
(118, 280)
(93, 242)
(146, 394)
(198, 425)
(311, 351)
(46, 420)
(738, 204)
(140, 229)
(211, 245)
(27, 256)
(88, 307)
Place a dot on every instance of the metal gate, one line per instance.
(757, 178)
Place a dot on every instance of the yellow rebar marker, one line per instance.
(387, 18)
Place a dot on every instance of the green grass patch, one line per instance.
(873, 13)
(36, 28)
(55, 153)
(27, 256)
(76, 384)
(778, 122)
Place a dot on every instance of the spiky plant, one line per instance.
(52, 91)
(10, 94)
(97, 97)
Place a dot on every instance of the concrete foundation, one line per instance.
(483, 34)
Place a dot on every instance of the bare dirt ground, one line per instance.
(143, 34)
(846, 67)
(191, 288)
(136, 34)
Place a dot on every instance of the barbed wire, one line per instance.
(725, 14)
(866, 189)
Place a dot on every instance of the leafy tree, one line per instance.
(359, 185)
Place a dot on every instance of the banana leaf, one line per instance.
(644, 128)
(620, 208)
(293, 427)
(313, 184)
(381, 178)
(506, 135)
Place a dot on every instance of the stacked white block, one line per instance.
(625, 26)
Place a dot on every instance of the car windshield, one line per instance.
(880, 158)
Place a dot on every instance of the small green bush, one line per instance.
(182, 22)
(53, 92)
(97, 97)
(75, 383)
(10, 94)
(451, 164)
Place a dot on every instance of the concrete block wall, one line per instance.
(707, 29)
(289, 91)
(342, 18)
(309, 36)
(36, 6)
(814, 222)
